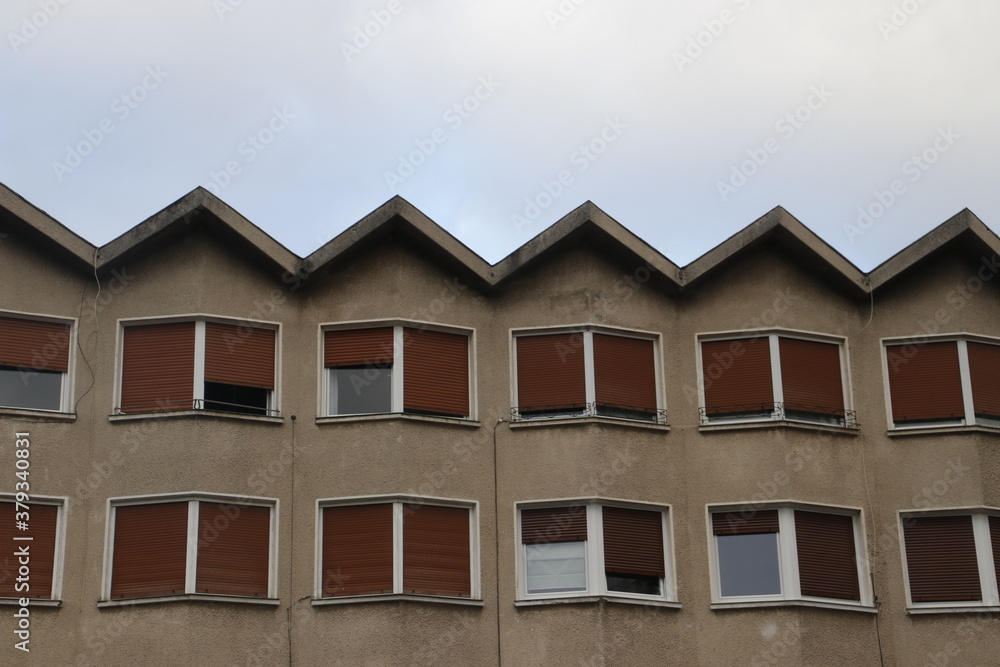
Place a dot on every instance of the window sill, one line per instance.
(780, 423)
(237, 599)
(204, 414)
(40, 415)
(967, 609)
(361, 599)
(941, 430)
(576, 421)
(867, 609)
(454, 421)
(591, 599)
(32, 602)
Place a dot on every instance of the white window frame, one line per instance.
(788, 560)
(984, 556)
(596, 577)
(968, 402)
(273, 409)
(67, 380)
(587, 331)
(398, 510)
(778, 414)
(398, 365)
(61, 503)
(193, 499)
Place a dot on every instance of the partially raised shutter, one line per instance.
(811, 377)
(925, 382)
(633, 541)
(827, 557)
(550, 373)
(40, 346)
(239, 355)
(357, 550)
(941, 559)
(624, 373)
(984, 367)
(995, 541)
(435, 372)
(158, 367)
(745, 522)
(150, 550)
(358, 347)
(436, 551)
(737, 376)
(42, 522)
(234, 549)
(554, 524)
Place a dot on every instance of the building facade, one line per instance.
(393, 453)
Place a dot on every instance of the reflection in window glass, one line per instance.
(29, 389)
(556, 567)
(748, 564)
(362, 390)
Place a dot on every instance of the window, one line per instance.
(944, 383)
(589, 548)
(774, 377)
(204, 546)
(952, 560)
(34, 364)
(42, 540)
(397, 546)
(585, 373)
(386, 369)
(777, 554)
(198, 365)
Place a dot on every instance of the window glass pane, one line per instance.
(556, 567)
(748, 564)
(362, 390)
(35, 390)
(234, 398)
(633, 583)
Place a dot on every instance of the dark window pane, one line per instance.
(361, 390)
(29, 389)
(633, 583)
(748, 564)
(234, 398)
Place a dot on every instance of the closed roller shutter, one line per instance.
(357, 550)
(925, 382)
(436, 551)
(150, 550)
(550, 373)
(42, 523)
(827, 556)
(624, 373)
(737, 376)
(233, 549)
(436, 372)
(941, 559)
(811, 377)
(633, 541)
(158, 367)
(239, 355)
(984, 367)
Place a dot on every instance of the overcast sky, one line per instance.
(871, 122)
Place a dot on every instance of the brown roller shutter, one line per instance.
(995, 541)
(550, 372)
(737, 376)
(233, 549)
(827, 557)
(624, 373)
(925, 382)
(435, 372)
(554, 524)
(239, 355)
(358, 347)
(633, 541)
(150, 550)
(40, 346)
(984, 367)
(811, 377)
(42, 521)
(158, 367)
(941, 559)
(744, 522)
(436, 551)
(357, 550)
